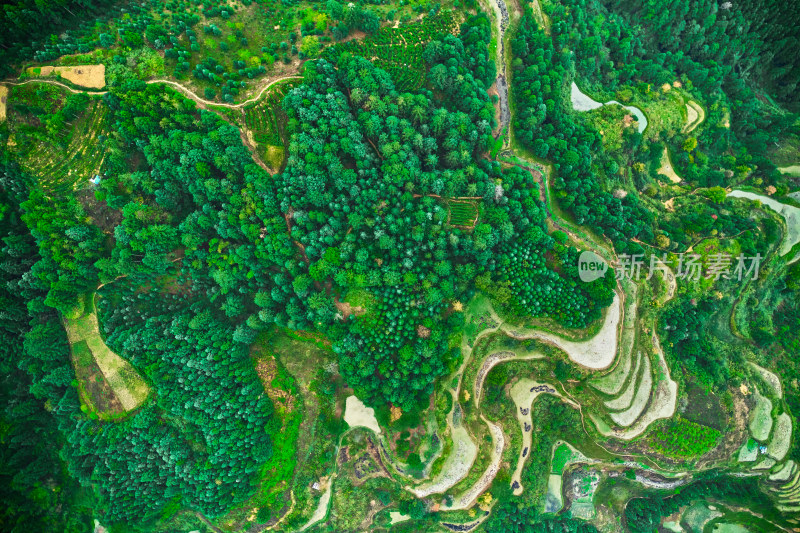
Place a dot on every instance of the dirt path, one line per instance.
(202, 102)
(190, 94)
(182, 89)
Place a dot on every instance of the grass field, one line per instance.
(116, 376)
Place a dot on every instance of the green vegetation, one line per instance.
(462, 213)
(192, 291)
(399, 51)
(679, 437)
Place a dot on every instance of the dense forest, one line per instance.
(404, 243)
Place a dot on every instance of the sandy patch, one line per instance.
(348, 310)
(596, 353)
(395, 517)
(3, 100)
(358, 414)
(666, 168)
(91, 76)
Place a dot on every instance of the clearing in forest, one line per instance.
(128, 388)
(89, 76)
(61, 147)
(265, 124)
(463, 214)
(666, 168)
(3, 99)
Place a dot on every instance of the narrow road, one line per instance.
(186, 91)
(202, 102)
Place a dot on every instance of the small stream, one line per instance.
(501, 11)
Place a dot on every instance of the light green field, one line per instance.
(781, 438)
(128, 387)
(761, 418)
(698, 515)
(553, 500)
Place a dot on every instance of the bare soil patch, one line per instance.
(3, 99)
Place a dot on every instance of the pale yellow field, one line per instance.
(126, 383)
(91, 76)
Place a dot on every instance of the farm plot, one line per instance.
(95, 393)
(667, 169)
(761, 418)
(265, 123)
(781, 438)
(643, 389)
(127, 386)
(695, 115)
(748, 452)
(90, 76)
(463, 214)
(66, 166)
(398, 51)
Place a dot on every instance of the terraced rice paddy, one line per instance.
(761, 418)
(790, 213)
(695, 115)
(781, 438)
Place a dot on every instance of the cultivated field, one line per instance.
(128, 388)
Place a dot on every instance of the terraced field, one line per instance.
(66, 158)
(265, 124)
(90, 353)
(398, 51)
(462, 213)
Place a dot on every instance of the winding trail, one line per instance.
(181, 88)
(201, 102)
